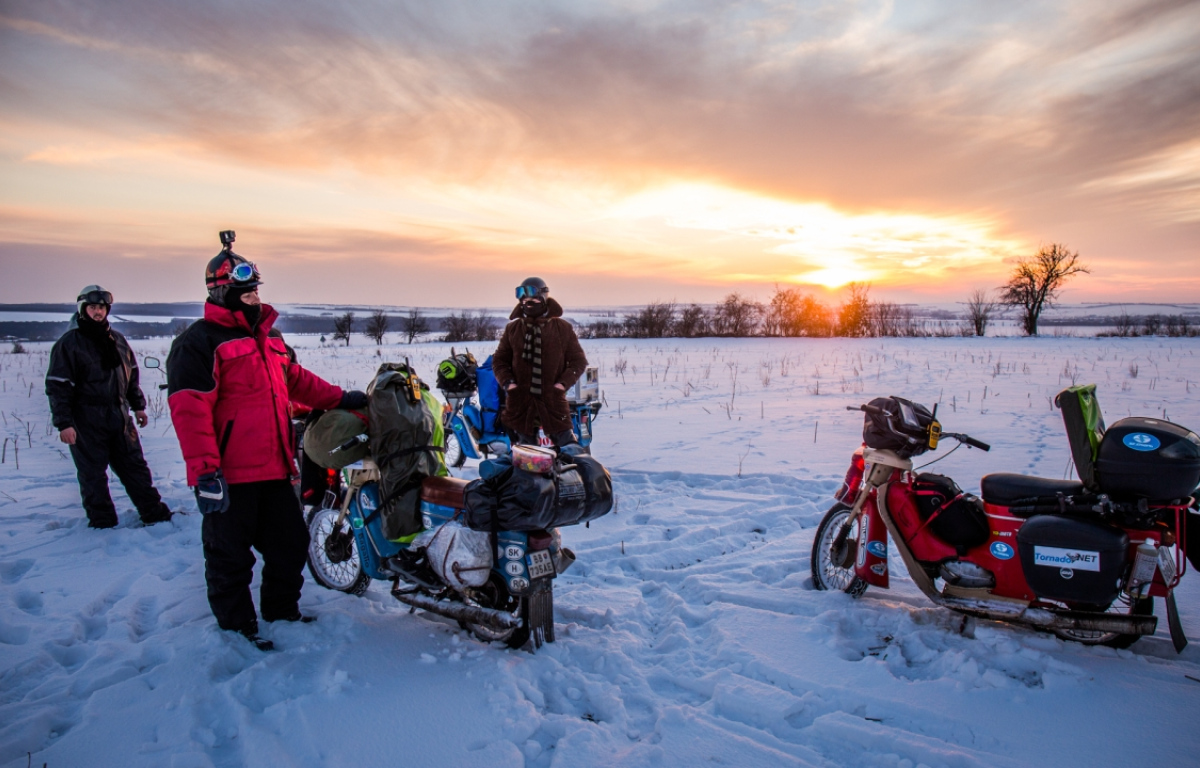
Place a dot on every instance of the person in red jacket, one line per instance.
(230, 386)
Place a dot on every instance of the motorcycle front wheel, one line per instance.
(829, 552)
(1122, 605)
(333, 554)
(495, 594)
(455, 456)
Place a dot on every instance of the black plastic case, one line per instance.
(1148, 458)
(1072, 560)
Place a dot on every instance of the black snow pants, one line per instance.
(266, 516)
(106, 437)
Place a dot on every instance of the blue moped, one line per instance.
(348, 549)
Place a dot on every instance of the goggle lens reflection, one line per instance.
(243, 273)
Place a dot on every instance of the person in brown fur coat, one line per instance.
(536, 362)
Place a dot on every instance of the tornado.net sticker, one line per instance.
(1077, 559)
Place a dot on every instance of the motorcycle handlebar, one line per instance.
(864, 408)
(968, 440)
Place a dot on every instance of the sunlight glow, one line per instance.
(821, 245)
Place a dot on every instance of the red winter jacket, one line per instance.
(229, 393)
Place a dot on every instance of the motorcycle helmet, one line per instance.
(227, 270)
(532, 287)
(93, 294)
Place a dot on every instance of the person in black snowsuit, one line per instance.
(92, 383)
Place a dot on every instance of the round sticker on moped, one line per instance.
(1140, 441)
(1066, 573)
(513, 552)
(1001, 551)
(514, 568)
(877, 548)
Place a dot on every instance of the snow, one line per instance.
(688, 629)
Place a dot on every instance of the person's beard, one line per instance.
(533, 309)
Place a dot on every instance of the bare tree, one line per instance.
(854, 317)
(458, 327)
(653, 321)
(1035, 282)
(737, 316)
(413, 325)
(792, 313)
(377, 326)
(980, 309)
(693, 321)
(483, 326)
(342, 327)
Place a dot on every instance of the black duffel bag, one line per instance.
(512, 499)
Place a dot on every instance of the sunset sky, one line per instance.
(436, 153)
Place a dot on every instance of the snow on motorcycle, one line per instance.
(1083, 559)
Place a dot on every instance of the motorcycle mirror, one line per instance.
(151, 362)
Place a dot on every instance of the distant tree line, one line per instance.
(463, 326)
(1033, 287)
(789, 312)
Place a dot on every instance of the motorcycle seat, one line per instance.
(444, 491)
(1007, 489)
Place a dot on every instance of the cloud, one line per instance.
(512, 127)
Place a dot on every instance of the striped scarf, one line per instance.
(533, 353)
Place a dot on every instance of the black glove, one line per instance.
(212, 493)
(353, 400)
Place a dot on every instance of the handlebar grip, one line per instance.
(865, 408)
(975, 443)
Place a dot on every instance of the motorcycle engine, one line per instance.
(961, 573)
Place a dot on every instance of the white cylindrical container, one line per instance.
(1145, 562)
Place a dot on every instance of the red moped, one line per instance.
(1082, 559)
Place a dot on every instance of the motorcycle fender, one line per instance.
(871, 563)
(465, 439)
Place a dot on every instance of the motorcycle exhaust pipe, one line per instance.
(470, 614)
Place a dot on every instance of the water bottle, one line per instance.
(1145, 562)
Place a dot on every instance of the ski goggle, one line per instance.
(96, 297)
(243, 273)
(528, 291)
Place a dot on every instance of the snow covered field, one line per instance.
(689, 632)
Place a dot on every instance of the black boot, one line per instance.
(250, 632)
(160, 515)
(297, 616)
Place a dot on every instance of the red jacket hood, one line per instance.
(214, 313)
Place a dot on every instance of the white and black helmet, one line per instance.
(93, 294)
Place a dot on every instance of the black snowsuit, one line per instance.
(97, 403)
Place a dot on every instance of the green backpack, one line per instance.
(407, 443)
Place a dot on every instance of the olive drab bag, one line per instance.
(407, 444)
(323, 438)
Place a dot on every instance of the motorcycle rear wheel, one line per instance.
(455, 455)
(333, 558)
(495, 594)
(1122, 605)
(826, 573)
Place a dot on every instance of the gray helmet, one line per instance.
(93, 294)
(531, 287)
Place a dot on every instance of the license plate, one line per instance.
(540, 564)
(1166, 564)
